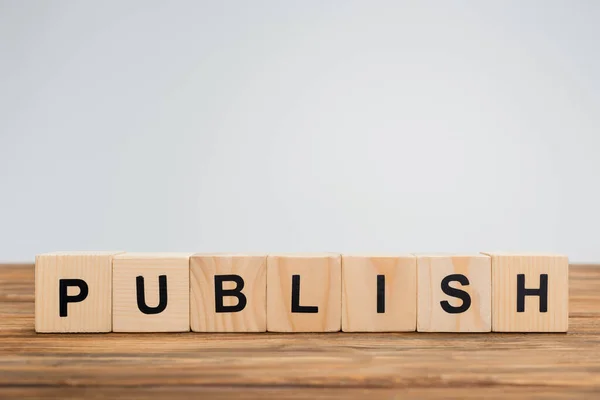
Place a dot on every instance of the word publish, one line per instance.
(174, 292)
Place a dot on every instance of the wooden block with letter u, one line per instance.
(228, 293)
(379, 293)
(151, 292)
(73, 292)
(454, 293)
(530, 293)
(304, 293)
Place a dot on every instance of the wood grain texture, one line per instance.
(283, 366)
(431, 270)
(505, 268)
(320, 286)
(127, 316)
(253, 271)
(359, 293)
(94, 314)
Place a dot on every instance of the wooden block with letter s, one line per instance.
(151, 292)
(304, 293)
(73, 292)
(454, 293)
(228, 293)
(530, 292)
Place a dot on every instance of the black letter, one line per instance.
(296, 307)
(461, 294)
(162, 289)
(237, 292)
(64, 298)
(542, 292)
(380, 294)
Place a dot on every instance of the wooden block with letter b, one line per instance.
(379, 293)
(454, 293)
(228, 293)
(73, 292)
(151, 292)
(304, 293)
(530, 293)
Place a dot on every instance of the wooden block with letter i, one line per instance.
(151, 292)
(454, 293)
(73, 292)
(530, 293)
(304, 293)
(379, 293)
(228, 293)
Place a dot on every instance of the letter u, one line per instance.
(141, 298)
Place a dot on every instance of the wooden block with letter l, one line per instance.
(454, 293)
(530, 293)
(228, 293)
(73, 292)
(151, 292)
(379, 293)
(304, 293)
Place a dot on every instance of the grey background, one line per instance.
(299, 126)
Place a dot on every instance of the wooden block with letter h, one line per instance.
(304, 293)
(228, 293)
(73, 292)
(151, 292)
(379, 293)
(530, 293)
(454, 293)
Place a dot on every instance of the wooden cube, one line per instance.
(151, 292)
(379, 293)
(73, 292)
(304, 293)
(530, 293)
(454, 293)
(228, 293)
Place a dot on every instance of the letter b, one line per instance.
(237, 292)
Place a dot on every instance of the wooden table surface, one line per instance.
(333, 365)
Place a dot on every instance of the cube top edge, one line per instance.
(451, 255)
(304, 255)
(378, 255)
(522, 254)
(228, 255)
(136, 256)
(80, 253)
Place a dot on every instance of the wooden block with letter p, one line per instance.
(73, 292)
(454, 293)
(228, 293)
(530, 293)
(151, 292)
(304, 293)
(379, 293)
